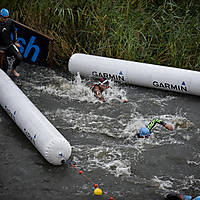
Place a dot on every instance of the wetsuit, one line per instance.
(7, 45)
(154, 122)
(97, 91)
(94, 86)
(146, 131)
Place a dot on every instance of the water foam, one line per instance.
(79, 89)
(108, 158)
(161, 184)
(112, 159)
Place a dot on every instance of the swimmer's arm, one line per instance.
(98, 94)
(156, 120)
(167, 126)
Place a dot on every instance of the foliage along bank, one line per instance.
(159, 32)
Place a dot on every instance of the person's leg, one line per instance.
(4, 66)
(1, 57)
(13, 50)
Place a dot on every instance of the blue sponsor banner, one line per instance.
(34, 46)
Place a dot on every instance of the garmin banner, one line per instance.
(34, 46)
(136, 73)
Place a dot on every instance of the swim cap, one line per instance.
(187, 197)
(4, 12)
(102, 80)
(197, 198)
(144, 131)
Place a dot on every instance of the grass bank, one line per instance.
(160, 32)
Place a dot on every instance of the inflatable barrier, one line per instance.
(43, 135)
(141, 74)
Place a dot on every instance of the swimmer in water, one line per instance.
(99, 88)
(173, 196)
(145, 132)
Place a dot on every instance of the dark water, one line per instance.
(102, 138)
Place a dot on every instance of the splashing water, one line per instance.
(161, 184)
(109, 158)
(114, 93)
(79, 89)
(112, 158)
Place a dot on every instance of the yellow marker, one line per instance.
(98, 191)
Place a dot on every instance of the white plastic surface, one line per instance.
(141, 74)
(37, 128)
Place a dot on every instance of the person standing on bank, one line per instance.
(145, 132)
(9, 46)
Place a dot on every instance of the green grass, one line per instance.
(164, 33)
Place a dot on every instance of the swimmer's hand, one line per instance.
(125, 100)
(169, 127)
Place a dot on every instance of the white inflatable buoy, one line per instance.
(141, 74)
(43, 135)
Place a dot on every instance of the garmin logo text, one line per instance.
(28, 135)
(170, 86)
(12, 115)
(113, 77)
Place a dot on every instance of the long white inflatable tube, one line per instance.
(141, 74)
(43, 135)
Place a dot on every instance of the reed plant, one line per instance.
(163, 32)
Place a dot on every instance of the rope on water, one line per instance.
(69, 162)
